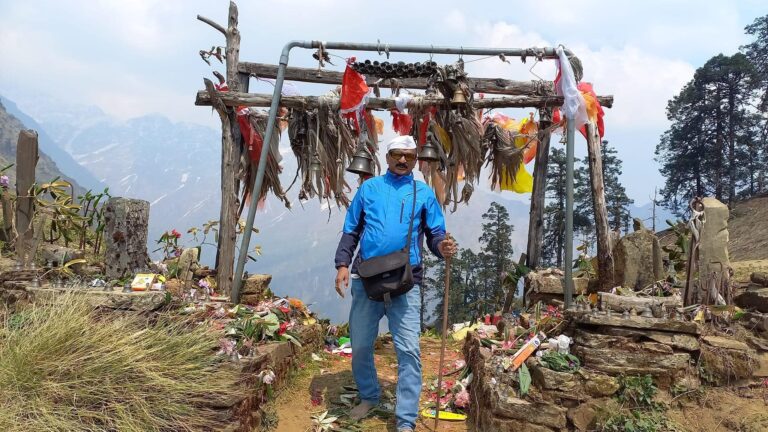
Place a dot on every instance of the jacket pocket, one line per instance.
(402, 207)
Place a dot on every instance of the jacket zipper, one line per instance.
(402, 206)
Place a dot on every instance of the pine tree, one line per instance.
(706, 149)
(495, 257)
(583, 212)
(757, 54)
(554, 211)
(616, 199)
(462, 290)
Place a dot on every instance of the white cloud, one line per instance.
(641, 83)
(455, 21)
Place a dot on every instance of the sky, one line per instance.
(133, 58)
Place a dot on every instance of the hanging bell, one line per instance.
(362, 163)
(458, 97)
(429, 151)
(315, 165)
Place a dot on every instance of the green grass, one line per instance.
(64, 367)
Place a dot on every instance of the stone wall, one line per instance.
(244, 414)
(675, 353)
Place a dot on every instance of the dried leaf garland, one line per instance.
(503, 156)
(272, 171)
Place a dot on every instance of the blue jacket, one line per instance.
(378, 220)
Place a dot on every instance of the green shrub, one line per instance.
(638, 421)
(638, 391)
(64, 367)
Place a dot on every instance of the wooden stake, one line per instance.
(445, 336)
(26, 161)
(536, 221)
(605, 267)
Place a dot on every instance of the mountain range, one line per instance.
(175, 166)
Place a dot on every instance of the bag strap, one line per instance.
(410, 224)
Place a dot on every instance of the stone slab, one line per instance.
(753, 299)
(639, 323)
(757, 343)
(256, 284)
(721, 342)
(681, 341)
(619, 362)
(141, 301)
(621, 303)
(538, 412)
(762, 368)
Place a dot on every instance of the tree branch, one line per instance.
(213, 24)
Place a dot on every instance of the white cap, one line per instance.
(404, 142)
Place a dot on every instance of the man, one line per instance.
(378, 220)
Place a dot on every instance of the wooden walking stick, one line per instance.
(445, 335)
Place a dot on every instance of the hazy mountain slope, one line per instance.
(47, 169)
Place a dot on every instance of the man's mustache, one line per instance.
(401, 165)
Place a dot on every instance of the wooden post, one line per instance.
(230, 155)
(9, 233)
(26, 161)
(605, 266)
(536, 222)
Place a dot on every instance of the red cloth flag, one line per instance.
(354, 93)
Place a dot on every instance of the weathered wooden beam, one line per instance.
(480, 85)
(230, 153)
(213, 24)
(26, 161)
(536, 221)
(308, 102)
(605, 265)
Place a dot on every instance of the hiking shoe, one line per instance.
(404, 429)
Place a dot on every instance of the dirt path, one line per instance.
(324, 382)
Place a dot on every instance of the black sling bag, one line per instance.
(389, 275)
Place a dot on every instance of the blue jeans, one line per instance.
(404, 324)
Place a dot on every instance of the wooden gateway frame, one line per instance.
(531, 94)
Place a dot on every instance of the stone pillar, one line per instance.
(125, 235)
(713, 247)
(637, 257)
(714, 264)
(188, 264)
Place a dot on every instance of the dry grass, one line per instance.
(748, 229)
(743, 269)
(65, 368)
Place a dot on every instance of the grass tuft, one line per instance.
(65, 367)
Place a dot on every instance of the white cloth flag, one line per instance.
(575, 107)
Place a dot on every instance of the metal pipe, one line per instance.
(549, 53)
(568, 289)
(259, 172)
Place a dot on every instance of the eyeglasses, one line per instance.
(396, 155)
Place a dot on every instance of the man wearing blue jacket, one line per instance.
(377, 221)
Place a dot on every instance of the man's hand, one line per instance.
(342, 280)
(447, 247)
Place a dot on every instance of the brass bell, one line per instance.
(429, 151)
(458, 97)
(362, 163)
(315, 164)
